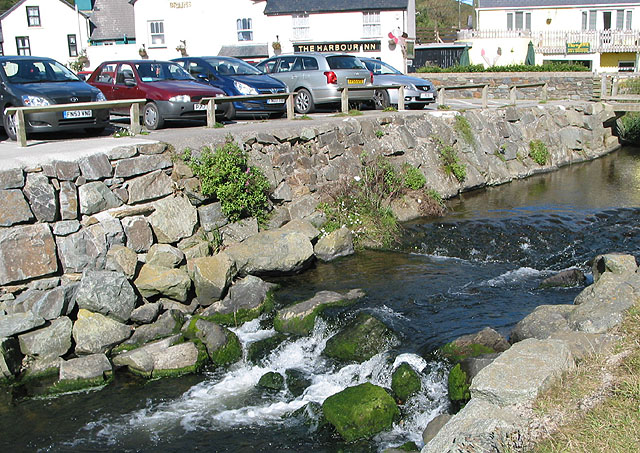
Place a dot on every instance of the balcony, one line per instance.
(555, 42)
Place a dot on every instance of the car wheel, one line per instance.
(381, 99)
(151, 116)
(303, 101)
(9, 123)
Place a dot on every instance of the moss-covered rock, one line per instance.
(261, 348)
(405, 381)
(360, 412)
(456, 353)
(458, 386)
(297, 382)
(360, 340)
(272, 381)
(299, 318)
(241, 315)
(222, 345)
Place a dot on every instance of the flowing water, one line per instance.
(479, 266)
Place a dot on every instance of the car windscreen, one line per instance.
(380, 68)
(225, 66)
(36, 71)
(344, 62)
(154, 71)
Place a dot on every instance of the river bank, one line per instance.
(331, 156)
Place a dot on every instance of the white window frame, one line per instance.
(156, 33)
(33, 20)
(523, 17)
(245, 29)
(371, 27)
(301, 26)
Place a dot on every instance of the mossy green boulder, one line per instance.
(360, 412)
(458, 386)
(222, 345)
(456, 353)
(360, 340)
(271, 381)
(405, 381)
(261, 348)
(298, 319)
(297, 381)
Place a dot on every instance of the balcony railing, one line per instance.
(555, 42)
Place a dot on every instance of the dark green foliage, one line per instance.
(538, 152)
(452, 164)
(360, 412)
(550, 67)
(405, 381)
(225, 173)
(413, 177)
(629, 127)
(458, 386)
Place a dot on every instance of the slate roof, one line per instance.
(244, 51)
(112, 19)
(550, 3)
(276, 7)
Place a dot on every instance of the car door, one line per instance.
(105, 79)
(285, 73)
(126, 86)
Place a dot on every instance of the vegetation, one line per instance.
(225, 173)
(538, 152)
(463, 127)
(379, 133)
(598, 400)
(442, 14)
(458, 386)
(414, 179)
(549, 67)
(352, 112)
(390, 109)
(405, 381)
(451, 163)
(629, 125)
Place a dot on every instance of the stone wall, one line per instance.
(102, 247)
(561, 85)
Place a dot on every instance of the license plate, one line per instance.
(426, 95)
(199, 106)
(275, 101)
(77, 114)
(355, 81)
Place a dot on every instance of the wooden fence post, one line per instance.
(512, 95)
(345, 100)
(211, 113)
(134, 119)
(545, 92)
(614, 88)
(21, 132)
(291, 114)
(440, 99)
(401, 105)
(603, 86)
(485, 96)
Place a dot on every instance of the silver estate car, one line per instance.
(316, 77)
(417, 92)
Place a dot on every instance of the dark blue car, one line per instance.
(236, 77)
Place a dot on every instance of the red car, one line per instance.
(171, 92)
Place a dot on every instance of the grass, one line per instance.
(303, 117)
(600, 399)
(390, 109)
(352, 112)
(463, 127)
(538, 152)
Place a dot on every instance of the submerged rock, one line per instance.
(486, 341)
(271, 381)
(299, 318)
(297, 382)
(360, 412)
(83, 372)
(566, 278)
(261, 348)
(360, 340)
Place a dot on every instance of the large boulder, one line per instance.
(615, 263)
(96, 197)
(542, 322)
(84, 372)
(26, 252)
(169, 323)
(521, 372)
(334, 245)
(360, 340)
(156, 280)
(47, 304)
(246, 300)
(108, 293)
(122, 259)
(146, 313)
(405, 381)
(51, 341)
(82, 250)
(360, 412)
(272, 252)
(95, 333)
(486, 341)
(165, 255)
(212, 275)
(300, 318)
(174, 218)
(19, 322)
(138, 233)
(221, 344)
(149, 187)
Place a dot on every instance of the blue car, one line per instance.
(236, 77)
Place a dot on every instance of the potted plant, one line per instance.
(277, 47)
(182, 48)
(143, 52)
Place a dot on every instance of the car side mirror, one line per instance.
(130, 82)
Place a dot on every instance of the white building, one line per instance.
(45, 28)
(248, 29)
(605, 35)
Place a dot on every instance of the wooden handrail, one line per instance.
(345, 94)
(485, 91)
(21, 132)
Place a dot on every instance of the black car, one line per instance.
(36, 81)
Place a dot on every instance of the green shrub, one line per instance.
(452, 164)
(413, 177)
(463, 127)
(538, 152)
(225, 173)
(629, 86)
(379, 133)
(549, 67)
(629, 127)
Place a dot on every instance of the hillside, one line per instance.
(446, 16)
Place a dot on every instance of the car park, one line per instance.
(417, 92)
(236, 78)
(317, 78)
(29, 81)
(171, 93)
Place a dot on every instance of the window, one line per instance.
(245, 32)
(371, 24)
(592, 19)
(156, 33)
(619, 19)
(301, 26)
(73, 46)
(584, 20)
(522, 21)
(628, 22)
(286, 64)
(124, 74)
(309, 63)
(22, 45)
(1, 49)
(106, 74)
(509, 21)
(33, 16)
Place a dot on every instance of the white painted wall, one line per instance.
(50, 39)
(98, 54)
